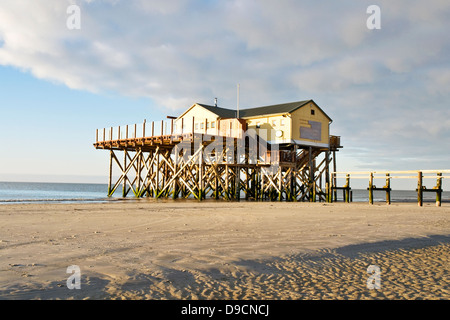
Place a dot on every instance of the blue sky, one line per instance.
(387, 90)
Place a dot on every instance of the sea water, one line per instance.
(13, 192)
(48, 192)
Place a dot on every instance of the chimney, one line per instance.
(215, 102)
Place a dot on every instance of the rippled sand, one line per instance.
(219, 250)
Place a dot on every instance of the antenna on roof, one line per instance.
(237, 114)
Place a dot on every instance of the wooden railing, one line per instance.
(172, 127)
(335, 142)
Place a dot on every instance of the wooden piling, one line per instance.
(420, 188)
(388, 188)
(439, 189)
(110, 172)
(335, 178)
(124, 184)
(347, 188)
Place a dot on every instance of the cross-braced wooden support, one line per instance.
(195, 170)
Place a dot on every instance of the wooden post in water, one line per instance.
(371, 188)
(347, 188)
(420, 188)
(388, 188)
(439, 189)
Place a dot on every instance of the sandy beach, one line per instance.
(150, 249)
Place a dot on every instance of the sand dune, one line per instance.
(221, 250)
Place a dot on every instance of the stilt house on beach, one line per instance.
(207, 152)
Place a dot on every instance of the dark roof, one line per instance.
(221, 112)
(260, 111)
(278, 108)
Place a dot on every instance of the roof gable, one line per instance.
(220, 112)
(254, 112)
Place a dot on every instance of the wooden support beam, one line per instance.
(124, 186)
(388, 188)
(111, 153)
(420, 188)
(334, 178)
(439, 189)
(347, 189)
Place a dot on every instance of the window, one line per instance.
(207, 125)
(202, 125)
(213, 124)
(196, 126)
(274, 123)
(282, 122)
(258, 124)
(313, 112)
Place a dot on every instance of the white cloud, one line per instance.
(180, 52)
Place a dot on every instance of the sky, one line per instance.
(387, 90)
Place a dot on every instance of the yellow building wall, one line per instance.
(301, 118)
(292, 123)
(269, 125)
(201, 116)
